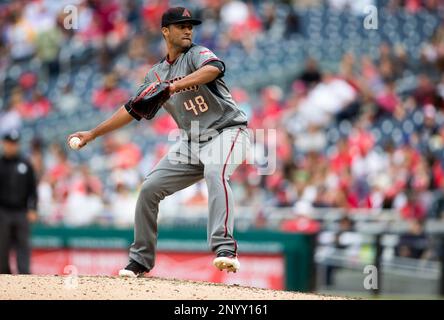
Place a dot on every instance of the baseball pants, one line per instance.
(185, 164)
(14, 234)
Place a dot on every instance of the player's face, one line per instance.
(180, 35)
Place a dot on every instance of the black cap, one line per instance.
(178, 15)
(12, 136)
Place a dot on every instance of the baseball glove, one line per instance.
(150, 100)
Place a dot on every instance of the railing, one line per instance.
(345, 269)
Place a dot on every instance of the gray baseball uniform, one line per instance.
(214, 142)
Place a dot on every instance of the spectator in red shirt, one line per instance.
(425, 91)
(163, 124)
(60, 169)
(270, 110)
(152, 13)
(413, 208)
(38, 107)
(122, 154)
(437, 174)
(361, 141)
(388, 100)
(110, 96)
(245, 32)
(302, 222)
(104, 13)
(84, 180)
(342, 157)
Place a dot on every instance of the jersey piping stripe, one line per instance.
(209, 60)
(223, 182)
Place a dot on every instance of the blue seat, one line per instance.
(418, 118)
(376, 133)
(408, 127)
(387, 127)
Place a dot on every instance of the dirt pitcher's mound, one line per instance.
(104, 288)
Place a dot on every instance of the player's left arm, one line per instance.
(206, 67)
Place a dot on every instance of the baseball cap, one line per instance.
(12, 136)
(178, 15)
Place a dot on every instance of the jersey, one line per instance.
(210, 105)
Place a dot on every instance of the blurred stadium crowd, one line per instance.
(359, 113)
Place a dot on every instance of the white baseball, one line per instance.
(74, 143)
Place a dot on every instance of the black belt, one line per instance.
(220, 130)
(233, 125)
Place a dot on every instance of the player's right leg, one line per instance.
(165, 179)
(5, 242)
(23, 247)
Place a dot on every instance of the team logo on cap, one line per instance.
(186, 13)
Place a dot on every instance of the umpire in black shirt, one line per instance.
(18, 204)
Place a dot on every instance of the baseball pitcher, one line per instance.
(188, 84)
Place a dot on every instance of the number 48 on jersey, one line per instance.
(197, 105)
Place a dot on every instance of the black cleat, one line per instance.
(227, 260)
(133, 270)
